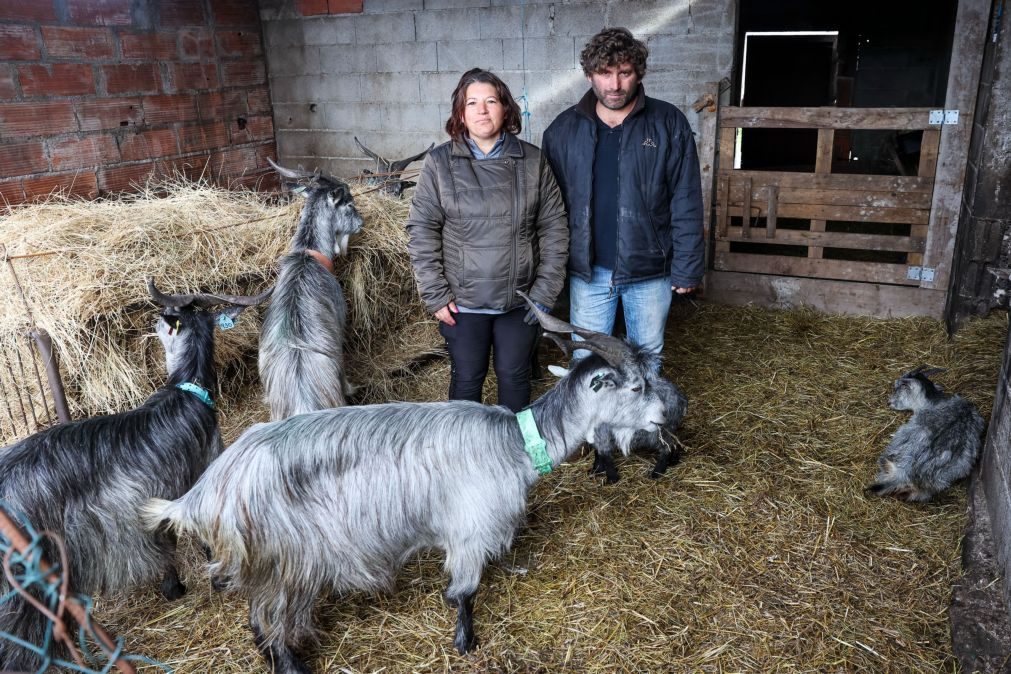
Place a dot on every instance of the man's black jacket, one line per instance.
(659, 191)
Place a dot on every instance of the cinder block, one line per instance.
(462, 55)
(438, 87)
(338, 88)
(550, 53)
(330, 30)
(561, 86)
(347, 58)
(293, 89)
(289, 33)
(314, 144)
(401, 87)
(543, 20)
(461, 24)
(384, 6)
(418, 117)
(360, 118)
(407, 57)
(294, 60)
(300, 116)
(680, 51)
(455, 4)
(384, 28)
(662, 17)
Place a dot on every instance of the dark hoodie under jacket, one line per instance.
(659, 191)
(482, 229)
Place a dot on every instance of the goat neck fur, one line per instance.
(302, 340)
(86, 481)
(338, 499)
(936, 447)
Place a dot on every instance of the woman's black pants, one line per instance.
(510, 339)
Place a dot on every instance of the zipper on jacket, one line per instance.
(518, 226)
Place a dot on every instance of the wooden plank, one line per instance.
(746, 210)
(784, 265)
(728, 142)
(707, 161)
(915, 259)
(803, 237)
(928, 152)
(910, 216)
(825, 295)
(971, 20)
(722, 220)
(770, 211)
(826, 117)
(835, 181)
(817, 226)
(794, 195)
(823, 158)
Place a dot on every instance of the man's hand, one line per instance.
(684, 291)
(445, 314)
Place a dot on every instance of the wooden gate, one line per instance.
(820, 224)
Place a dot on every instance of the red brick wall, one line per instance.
(96, 94)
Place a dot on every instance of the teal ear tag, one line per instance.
(225, 322)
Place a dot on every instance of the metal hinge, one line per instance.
(920, 274)
(939, 117)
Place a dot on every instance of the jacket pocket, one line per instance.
(486, 262)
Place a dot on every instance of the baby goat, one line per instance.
(86, 480)
(302, 340)
(339, 499)
(936, 447)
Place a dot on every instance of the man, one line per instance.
(629, 174)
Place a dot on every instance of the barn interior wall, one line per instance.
(98, 94)
(386, 73)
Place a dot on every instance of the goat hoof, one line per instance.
(464, 643)
(172, 589)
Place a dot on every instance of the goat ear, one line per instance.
(558, 370)
(228, 315)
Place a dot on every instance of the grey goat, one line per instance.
(387, 173)
(302, 339)
(339, 499)
(608, 438)
(936, 447)
(86, 480)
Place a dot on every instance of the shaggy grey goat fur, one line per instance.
(86, 480)
(339, 499)
(302, 339)
(936, 447)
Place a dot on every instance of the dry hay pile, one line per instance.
(90, 293)
(758, 553)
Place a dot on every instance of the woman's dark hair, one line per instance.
(612, 47)
(455, 126)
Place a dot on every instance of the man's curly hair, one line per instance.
(611, 47)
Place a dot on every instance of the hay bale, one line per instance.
(90, 295)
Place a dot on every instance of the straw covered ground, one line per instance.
(758, 553)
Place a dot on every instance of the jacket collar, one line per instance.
(511, 147)
(587, 105)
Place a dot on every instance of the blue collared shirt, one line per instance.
(494, 153)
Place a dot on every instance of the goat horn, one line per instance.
(401, 164)
(292, 174)
(210, 300)
(173, 301)
(370, 153)
(611, 349)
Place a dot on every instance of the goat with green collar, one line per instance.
(337, 500)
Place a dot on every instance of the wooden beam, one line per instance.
(825, 295)
(785, 265)
(722, 200)
(909, 216)
(823, 157)
(746, 210)
(836, 181)
(928, 152)
(770, 211)
(707, 160)
(803, 237)
(971, 20)
(874, 199)
(827, 117)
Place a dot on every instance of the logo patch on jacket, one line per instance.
(649, 142)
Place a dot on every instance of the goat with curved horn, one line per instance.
(204, 300)
(611, 349)
(293, 174)
(387, 173)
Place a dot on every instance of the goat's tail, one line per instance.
(22, 620)
(906, 491)
(157, 513)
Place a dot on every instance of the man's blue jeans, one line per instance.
(645, 304)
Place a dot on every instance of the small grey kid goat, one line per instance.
(936, 447)
(608, 438)
(86, 480)
(339, 499)
(302, 340)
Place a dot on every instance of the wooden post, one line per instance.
(822, 164)
(770, 214)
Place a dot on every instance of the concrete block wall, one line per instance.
(386, 73)
(98, 94)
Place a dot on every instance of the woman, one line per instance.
(487, 219)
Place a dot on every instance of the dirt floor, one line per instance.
(759, 552)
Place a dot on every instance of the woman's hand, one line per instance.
(445, 314)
